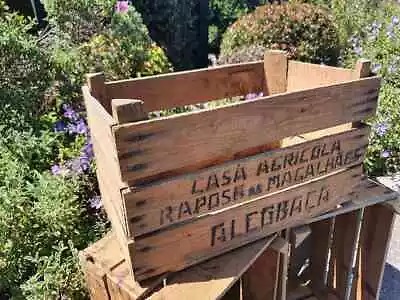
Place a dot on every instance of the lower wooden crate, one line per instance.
(338, 255)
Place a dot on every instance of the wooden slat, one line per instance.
(259, 282)
(181, 143)
(342, 248)
(97, 88)
(214, 278)
(275, 69)
(190, 87)
(107, 168)
(320, 237)
(128, 110)
(171, 201)
(218, 233)
(305, 75)
(375, 238)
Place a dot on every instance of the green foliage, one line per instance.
(379, 41)
(40, 215)
(222, 13)
(306, 32)
(177, 26)
(124, 50)
(25, 72)
(79, 19)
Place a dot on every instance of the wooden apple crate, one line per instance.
(337, 255)
(182, 189)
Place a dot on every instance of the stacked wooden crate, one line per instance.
(185, 188)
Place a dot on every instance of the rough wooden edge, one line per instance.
(97, 87)
(128, 110)
(275, 69)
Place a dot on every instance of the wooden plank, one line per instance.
(369, 193)
(161, 204)
(259, 282)
(299, 234)
(97, 88)
(275, 69)
(320, 237)
(305, 75)
(128, 110)
(283, 267)
(190, 87)
(185, 142)
(218, 233)
(214, 278)
(362, 69)
(375, 238)
(108, 173)
(342, 248)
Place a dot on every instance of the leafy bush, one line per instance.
(25, 71)
(179, 27)
(222, 13)
(124, 50)
(306, 32)
(379, 41)
(79, 19)
(43, 218)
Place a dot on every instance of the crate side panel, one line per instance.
(212, 235)
(191, 87)
(100, 123)
(175, 200)
(305, 75)
(178, 144)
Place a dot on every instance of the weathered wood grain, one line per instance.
(214, 278)
(178, 144)
(128, 110)
(305, 75)
(97, 87)
(209, 236)
(190, 87)
(275, 69)
(161, 204)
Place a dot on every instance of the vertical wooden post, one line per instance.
(275, 69)
(97, 87)
(345, 236)
(362, 69)
(128, 110)
(320, 237)
(374, 243)
(261, 280)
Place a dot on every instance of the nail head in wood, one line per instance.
(128, 110)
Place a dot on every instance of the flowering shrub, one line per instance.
(305, 31)
(379, 41)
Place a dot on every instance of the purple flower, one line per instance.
(84, 163)
(390, 33)
(87, 150)
(254, 95)
(376, 67)
(81, 127)
(385, 154)
(75, 166)
(70, 113)
(71, 128)
(95, 202)
(392, 68)
(59, 126)
(122, 6)
(395, 20)
(358, 50)
(56, 170)
(381, 128)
